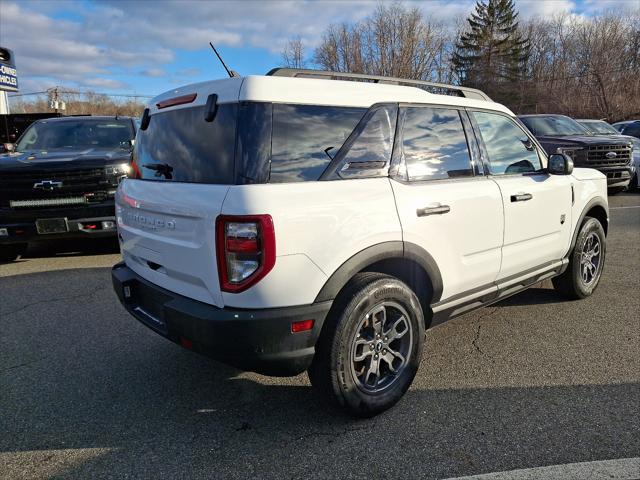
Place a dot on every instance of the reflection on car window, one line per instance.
(434, 144)
(370, 153)
(180, 146)
(509, 148)
(302, 133)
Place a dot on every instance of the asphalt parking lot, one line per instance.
(88, 392)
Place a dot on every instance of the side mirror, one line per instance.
(560, 164)
(9, 147)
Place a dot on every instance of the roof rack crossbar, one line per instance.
(328, 75)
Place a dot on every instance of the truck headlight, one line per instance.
(119, 169)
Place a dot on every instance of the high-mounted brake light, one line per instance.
(245, 249)
(181, 100)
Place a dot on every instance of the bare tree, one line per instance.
(394, 41)
(81, 103)
(585, 67)
(293, 53)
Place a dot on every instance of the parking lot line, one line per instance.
(619, 208)
(618, 469)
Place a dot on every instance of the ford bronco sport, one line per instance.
(306, 221)
(59, 180)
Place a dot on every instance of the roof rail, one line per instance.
(438, 88)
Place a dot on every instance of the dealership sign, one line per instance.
(8, 72)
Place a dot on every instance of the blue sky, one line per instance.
(147, 47)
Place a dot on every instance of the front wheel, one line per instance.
(586, 263)
(370, 347)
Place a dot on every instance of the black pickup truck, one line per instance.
(59, 180)
(609, 154)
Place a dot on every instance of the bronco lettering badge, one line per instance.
(150, 223)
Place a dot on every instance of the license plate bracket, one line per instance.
(46, 226)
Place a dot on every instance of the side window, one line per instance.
(632, 129)
(510, 150)
(370, 152)
(304, 136)
(434, 144)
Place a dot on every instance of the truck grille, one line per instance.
(597, 155)
(57, 188)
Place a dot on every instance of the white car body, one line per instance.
(488, 245)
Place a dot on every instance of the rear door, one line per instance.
(537, 205)
(445, 203)
(166, 218)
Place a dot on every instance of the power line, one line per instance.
(78, 92)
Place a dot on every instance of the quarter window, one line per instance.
(434, 144)
(370, 153)
(510, 150)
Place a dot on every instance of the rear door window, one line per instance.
(434, 144)
(305, 137)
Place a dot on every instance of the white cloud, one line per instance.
(153, 72)
(107, 83)
(79, 43)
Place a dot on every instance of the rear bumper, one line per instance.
(254, 340)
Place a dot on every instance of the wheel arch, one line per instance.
(596, 208)
(403, 260)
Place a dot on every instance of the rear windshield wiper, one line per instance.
(163, 169)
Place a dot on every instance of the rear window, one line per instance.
(179, 145)
(245, 143)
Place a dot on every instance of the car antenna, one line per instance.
(230, 72)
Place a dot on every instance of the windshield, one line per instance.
(77, 134)
(598, 127)
(555, 126)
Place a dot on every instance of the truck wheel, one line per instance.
(8, 253)
(370, 347)
(586, 263)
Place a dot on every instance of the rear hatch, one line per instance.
(166, 218)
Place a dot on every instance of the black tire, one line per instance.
(9, 253)
(572, 283)
(370, 303)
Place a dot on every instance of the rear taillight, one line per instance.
(246, 250)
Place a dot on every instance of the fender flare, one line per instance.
(376, 253)
(594, 202)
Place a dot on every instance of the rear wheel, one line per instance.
(586, 262)
(371, 345)
(8, 253)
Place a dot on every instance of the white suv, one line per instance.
(306, 221)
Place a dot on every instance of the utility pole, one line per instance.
(54, 100)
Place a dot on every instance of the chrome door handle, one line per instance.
(440, 210)
(521, 197)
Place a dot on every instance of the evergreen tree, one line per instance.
(492, 54)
